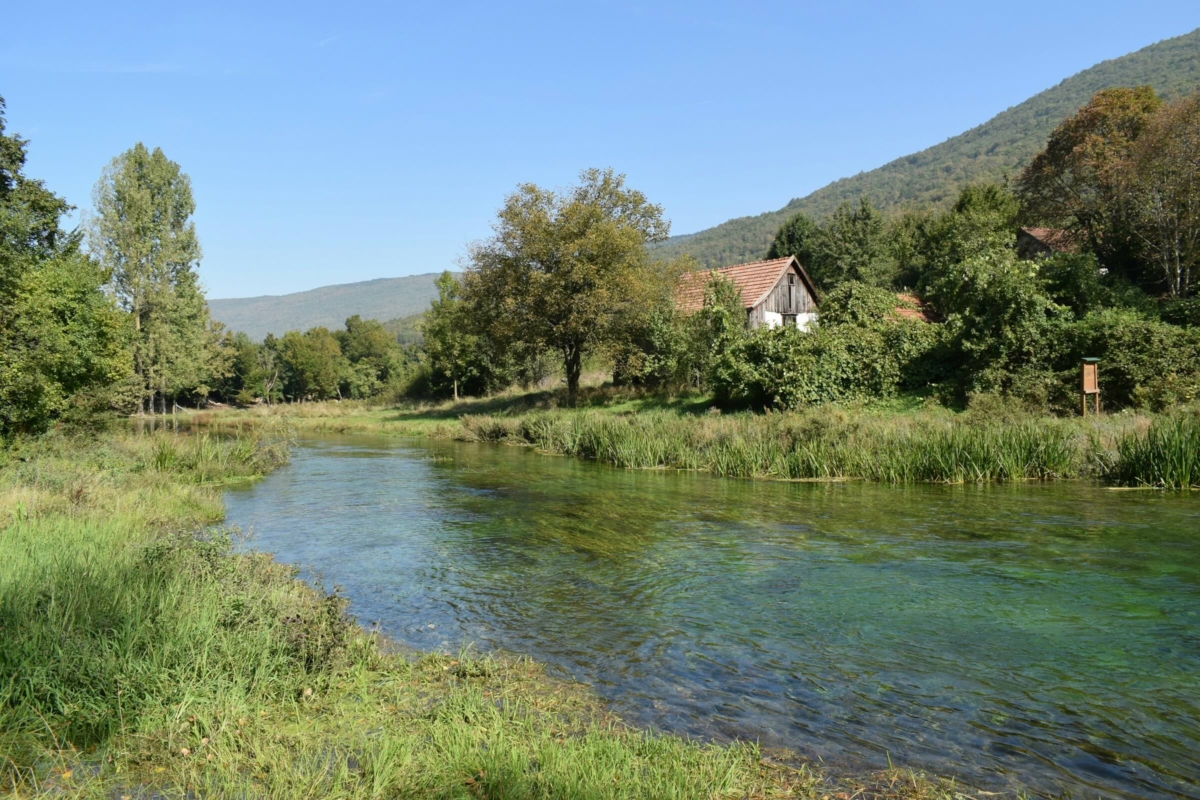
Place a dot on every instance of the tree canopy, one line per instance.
(144, 236)
(61, 338)
(566, 271)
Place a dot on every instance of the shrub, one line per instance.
(1143, 362)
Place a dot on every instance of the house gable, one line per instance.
(760, 283)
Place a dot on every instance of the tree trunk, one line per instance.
(456, 390)
(573, 366)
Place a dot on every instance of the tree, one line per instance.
(373, 354)
(144, 236)
(854, 247)
(800, 237)
(312, 364)
(253, 373)
(565, 271)
(1079, 181)
(451, 343)
(61, 337)
(717, 329)
(1164, 194)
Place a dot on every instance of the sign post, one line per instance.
(1090, 384)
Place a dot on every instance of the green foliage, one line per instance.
(407, 330)
(998, 320)
(1143, 362)
(144, 236)
(61, 337)
(460, 358)
(853, 246)
(1079, 182)
(565, 272)
(799, 236)
(1185, 313)
(860, 350)
(312, 364)
(1074, 281)
(988, 153)
(1167, 456)
(1163, 179)
(659, 353)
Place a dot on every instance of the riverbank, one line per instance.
(140, 652)
(893, 444)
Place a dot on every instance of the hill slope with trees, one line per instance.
(328, 306)
(933, 177)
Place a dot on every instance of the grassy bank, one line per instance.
(140, 653)
(988, 442)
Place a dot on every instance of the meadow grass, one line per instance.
(142, 654)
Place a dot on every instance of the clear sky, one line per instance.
(350, 141)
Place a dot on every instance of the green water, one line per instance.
(1045, 637)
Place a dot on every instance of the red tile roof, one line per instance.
(1056, 239)
(913, 307)
(754, 280)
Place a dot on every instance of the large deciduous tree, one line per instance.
(566, 271)
(144, 235)
(1080, 181)
(61, 337)
(1164, 195)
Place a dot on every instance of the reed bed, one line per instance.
(833, 444)
(1166, 456)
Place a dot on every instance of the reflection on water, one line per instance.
(1045, 636)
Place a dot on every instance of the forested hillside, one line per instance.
(381, 299)
(933, 177)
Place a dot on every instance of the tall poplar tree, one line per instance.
(144, 234)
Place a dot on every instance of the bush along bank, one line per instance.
(830, 443)
(141, 653)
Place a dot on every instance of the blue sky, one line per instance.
(350, 141)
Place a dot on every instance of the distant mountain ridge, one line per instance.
(382, 299)
(933, 177)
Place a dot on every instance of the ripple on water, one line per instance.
(1047, 636)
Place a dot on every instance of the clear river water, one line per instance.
(1036, 636)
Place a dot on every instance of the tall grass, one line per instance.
(1167, 455)
(822, 445)
(141, 655)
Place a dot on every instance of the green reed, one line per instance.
(1167, 455)
(834, 444)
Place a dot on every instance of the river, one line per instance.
(1036, 636)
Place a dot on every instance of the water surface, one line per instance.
(1037, 636)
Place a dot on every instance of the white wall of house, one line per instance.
(803, 321)
(772, 319)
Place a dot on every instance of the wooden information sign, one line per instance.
(1091, 384)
